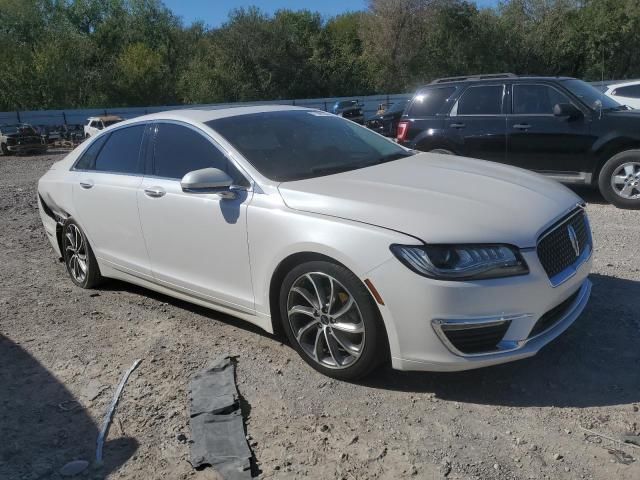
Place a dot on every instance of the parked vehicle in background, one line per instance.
(627, 93)
(349, 109)
(558, 126)
(360, 250)
(386, 123)
(20, 138)
(95, 124)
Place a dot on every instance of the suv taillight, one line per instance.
(402, 131)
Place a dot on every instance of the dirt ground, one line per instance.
(64, 349)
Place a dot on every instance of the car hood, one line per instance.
(439, 199)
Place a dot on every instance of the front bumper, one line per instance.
(414, 313)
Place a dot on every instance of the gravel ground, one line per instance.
(63, 351)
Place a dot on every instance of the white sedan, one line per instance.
(300, 221)
(627, 93)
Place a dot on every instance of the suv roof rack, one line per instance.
(474, 77)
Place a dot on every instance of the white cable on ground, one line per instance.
(112, 407)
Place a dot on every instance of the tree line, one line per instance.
(109, 53)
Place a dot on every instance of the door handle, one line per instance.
(154, 192)
(522, 126)
(86, 184)
(457, 125)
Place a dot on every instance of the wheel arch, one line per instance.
(290, 262)
(608, 150)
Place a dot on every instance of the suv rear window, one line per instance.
(430, 101)
(481, 100)
(632, 91)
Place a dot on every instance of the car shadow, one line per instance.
(43, 425)
(596, 362)
(589, 194)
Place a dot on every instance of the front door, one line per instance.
(538, 140)
(197, 242)
(477, 123)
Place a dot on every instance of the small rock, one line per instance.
(519, 441)
(557, 456)
(181, 437)
(74, 468)
(413, 470)
(354, 440)
(496, 466)
(635, 408)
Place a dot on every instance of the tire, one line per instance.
(5, 150)
(619, 180)
(77, 252)
(348, 338)
(441, 151)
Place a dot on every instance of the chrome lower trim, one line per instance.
(511, 345)
(465, 324)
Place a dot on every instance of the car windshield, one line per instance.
(298, 144)
(591, 95)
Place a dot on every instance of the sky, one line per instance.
(214, 12)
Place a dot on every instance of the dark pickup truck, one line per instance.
(560, 127)
(20, 138)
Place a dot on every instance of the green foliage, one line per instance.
(90, 53)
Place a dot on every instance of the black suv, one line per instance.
(558, 126)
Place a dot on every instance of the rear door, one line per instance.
(477, 123)
(197, 242)
(106, 180)
(540, 141)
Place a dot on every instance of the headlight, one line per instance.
(462, 262)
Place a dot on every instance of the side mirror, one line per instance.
(208, 180)
(566, 110)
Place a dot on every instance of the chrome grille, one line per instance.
(564, 244)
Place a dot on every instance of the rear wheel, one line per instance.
(331, 320)
(78, 257)
(619, 180)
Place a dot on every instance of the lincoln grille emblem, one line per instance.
(574, 240)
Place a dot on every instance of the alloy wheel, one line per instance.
(625, 180)
(325, 320)
(76, 253)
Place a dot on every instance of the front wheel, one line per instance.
(619, 180)
(5, 149)
(79, 259)
(332, 321)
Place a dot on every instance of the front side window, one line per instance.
(297, 144)
(121, 151)
(483, 100)
(179, 150)
(536, 99)
(430, 101)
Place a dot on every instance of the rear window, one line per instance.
(88, 159)
(632, 91)
(121, 152)
(482, 100)
(430, 101)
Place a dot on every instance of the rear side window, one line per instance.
(536, 99)
(483, 100)
(121, 152)
(430, 101)
(88, 159)
(179, 150)
(632, 91)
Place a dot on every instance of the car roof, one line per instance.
(206, 114)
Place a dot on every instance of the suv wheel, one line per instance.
(331, 320)
(619, 180)
(5, 150)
